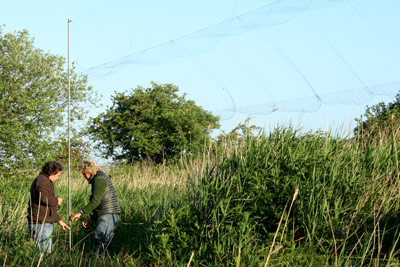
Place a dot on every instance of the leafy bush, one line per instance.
(242, 197)
(153, 124)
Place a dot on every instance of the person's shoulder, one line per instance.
(102, 175)
(100, 178)
(41, 175)
(42, 179)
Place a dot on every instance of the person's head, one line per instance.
(52, 169)
(88, 168)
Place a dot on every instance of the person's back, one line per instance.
(109, 202)
(42, 206)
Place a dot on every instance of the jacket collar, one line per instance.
(91, 179)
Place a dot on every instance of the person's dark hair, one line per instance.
(52, 167)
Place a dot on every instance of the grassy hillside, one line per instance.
(286, 199)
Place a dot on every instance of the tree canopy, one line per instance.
(33, 101)
(379, 117)
(152, 123)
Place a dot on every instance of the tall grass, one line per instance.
(284, 199)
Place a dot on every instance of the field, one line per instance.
(283, 199)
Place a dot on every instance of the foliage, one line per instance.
(152, 123)
(238, 134)
(240, 201)
(380, 117)
(226, 209)
(80, 149)
(33, 101)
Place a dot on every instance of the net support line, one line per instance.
(69, 143)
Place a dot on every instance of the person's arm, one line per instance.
(99, 188)
(44, 189)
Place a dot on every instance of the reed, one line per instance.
(227, 207)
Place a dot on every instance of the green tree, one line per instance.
(152, 123)
(238, 134)
(379, 118)
(33, 101)
(80, 149)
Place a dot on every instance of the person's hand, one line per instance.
(63, 225)
(76, 216)
(87, 223)
(59, 201)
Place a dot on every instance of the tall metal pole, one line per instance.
(69, 144)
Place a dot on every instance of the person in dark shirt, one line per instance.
(103, 205)
(42, 210)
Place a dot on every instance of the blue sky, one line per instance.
(313, 63)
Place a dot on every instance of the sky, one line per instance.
(312, 64)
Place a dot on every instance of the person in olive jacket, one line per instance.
(102, 204)
(42, 210)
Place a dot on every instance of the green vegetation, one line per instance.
(33, 102)
(153, 124)
(286, 199)
(380, 118)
